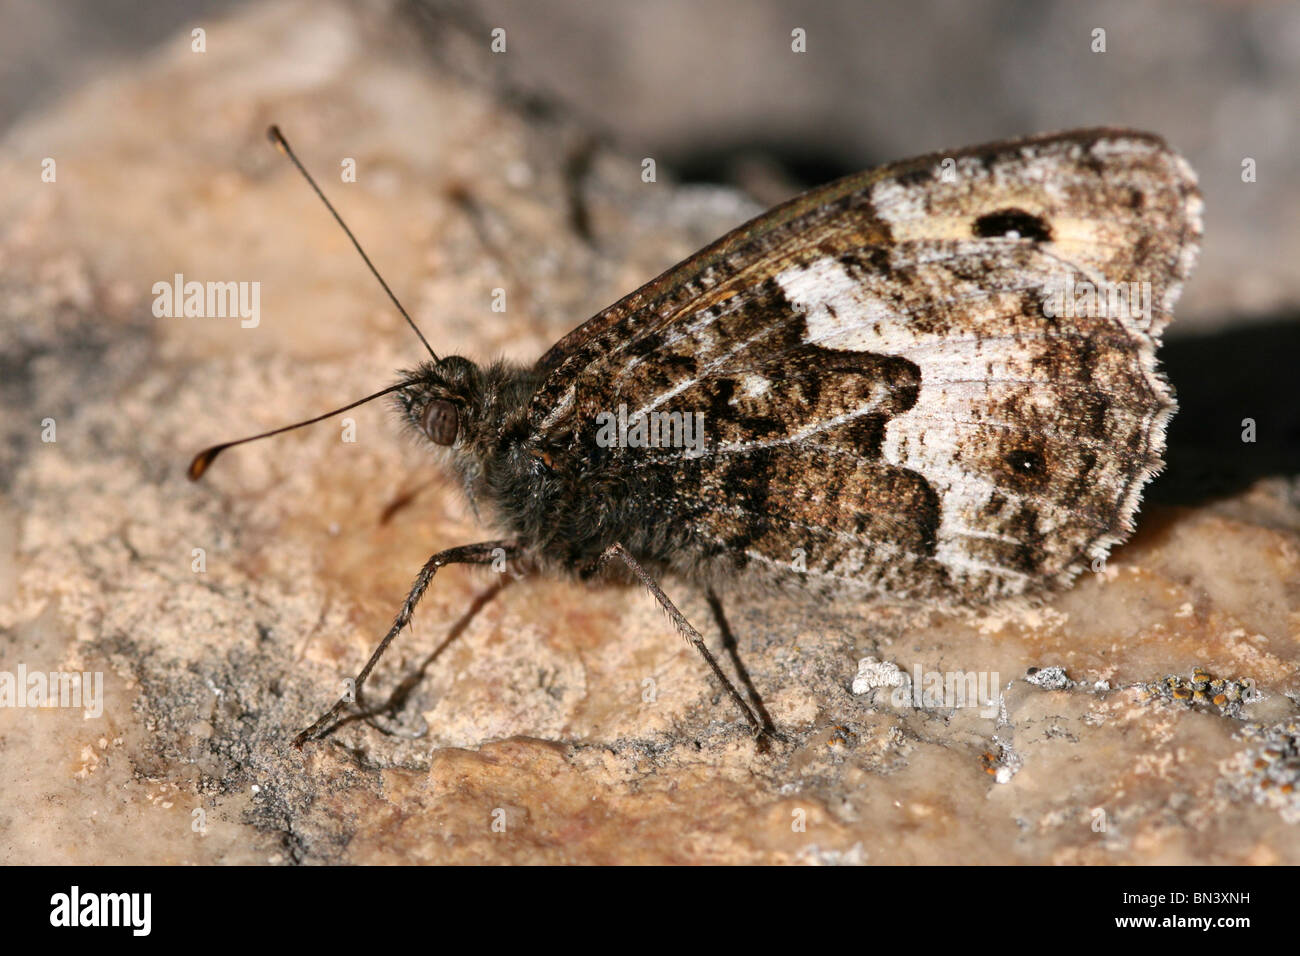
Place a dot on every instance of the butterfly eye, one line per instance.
(440, 422)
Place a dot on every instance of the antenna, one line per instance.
(206, 457)
(277, 139)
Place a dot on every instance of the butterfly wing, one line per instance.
(936, 378)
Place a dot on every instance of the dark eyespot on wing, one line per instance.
(1025, 467)
(1014, 223)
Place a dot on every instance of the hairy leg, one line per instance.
(687, 631)
(466, 554)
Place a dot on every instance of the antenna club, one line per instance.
(277, 138)
(201, 462)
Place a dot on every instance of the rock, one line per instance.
(564, 723)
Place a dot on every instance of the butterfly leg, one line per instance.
(397, 698)
(466, 554)
(687, 631)
(729, 642)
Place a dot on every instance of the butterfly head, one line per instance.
(476, 414)
(442, 400)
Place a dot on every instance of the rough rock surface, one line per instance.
(563, 723)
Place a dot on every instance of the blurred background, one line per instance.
(713, 90)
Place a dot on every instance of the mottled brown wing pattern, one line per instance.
(905, 387)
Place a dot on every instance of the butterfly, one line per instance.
(932, 382)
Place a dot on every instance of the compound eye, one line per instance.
(440, 422)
